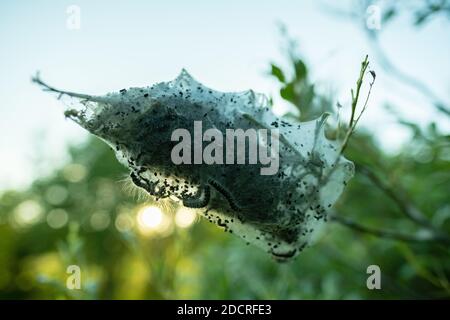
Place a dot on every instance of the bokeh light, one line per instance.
(74, 172)
(151, 220)
(56, 194)
(27, 213)
(185, 217)
(123, 222)
(100, 220)
(57, 218)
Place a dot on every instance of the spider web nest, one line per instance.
(278, 213)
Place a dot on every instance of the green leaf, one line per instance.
(388, 15)
(277, 73)
(287, 92)
(300, 70)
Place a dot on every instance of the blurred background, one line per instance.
(64, 201)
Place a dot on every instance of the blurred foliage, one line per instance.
(422, 12)
(84, 214)
(296, 86)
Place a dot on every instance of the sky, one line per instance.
(226, 45)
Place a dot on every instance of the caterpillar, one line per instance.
(276, 212)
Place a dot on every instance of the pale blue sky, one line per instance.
(227, 45)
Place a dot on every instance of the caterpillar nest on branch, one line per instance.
(276, 212)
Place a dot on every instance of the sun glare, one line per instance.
(152, 220)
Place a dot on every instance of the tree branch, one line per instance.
(409, 210)
(389, 234)
(406, 207)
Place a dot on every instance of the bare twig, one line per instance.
(37, 79)
(367, 98)
(359, 82)
(355, 98)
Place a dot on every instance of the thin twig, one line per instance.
(367, 98)
(359, 82)
(390, 234)
(410, 211)
(406, 207)
(355, 98)
(36, 79)
(338, 130)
